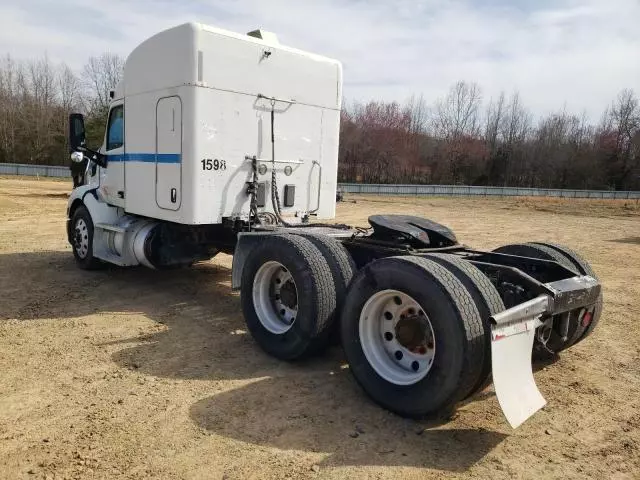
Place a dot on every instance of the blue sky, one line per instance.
(556, 53)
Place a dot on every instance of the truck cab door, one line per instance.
(169, 153)
(112, 184)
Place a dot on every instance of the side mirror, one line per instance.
(76, 131)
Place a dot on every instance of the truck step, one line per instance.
(112, 258)
(111, 228)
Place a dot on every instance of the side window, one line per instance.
(115, 129)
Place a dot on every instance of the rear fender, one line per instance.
(247, 241)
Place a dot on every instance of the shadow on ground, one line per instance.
(313, 405)
(630, 240)
(204, 338)
(326, 413)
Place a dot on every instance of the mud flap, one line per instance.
(511, 346)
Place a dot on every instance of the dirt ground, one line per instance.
(132, 373)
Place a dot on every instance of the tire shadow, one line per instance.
(313, 405)
(204, 335)
(315, 412)
(629, 240)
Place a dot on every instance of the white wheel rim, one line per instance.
(275, 297)
(386, 319)
(81, 241)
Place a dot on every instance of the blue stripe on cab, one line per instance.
(146, 157)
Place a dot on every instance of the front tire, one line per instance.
(82, 239)
(412, 335)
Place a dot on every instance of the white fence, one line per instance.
(382, 189)
(34, 170)
(471, 191)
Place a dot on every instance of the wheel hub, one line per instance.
(397, 337)
(275, 297)
(81, 238)
(413, 332)
(288, 294)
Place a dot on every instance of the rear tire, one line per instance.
(342, 269)
(555, 343)
(288, 296)
(82, 239)
(457, 339)
(487, 300)
(583, 268)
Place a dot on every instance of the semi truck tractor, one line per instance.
(224, 142)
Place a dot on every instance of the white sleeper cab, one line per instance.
(222, 142)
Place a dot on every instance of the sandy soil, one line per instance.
(142, 374)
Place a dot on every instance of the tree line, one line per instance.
(461, 138)
(36, 98)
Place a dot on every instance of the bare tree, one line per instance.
(101, 75)
(516, 121)
(623, 126)
(9, 107)
(69, 89)
(494, 115)
(456, 121)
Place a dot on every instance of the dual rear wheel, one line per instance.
(413, 329)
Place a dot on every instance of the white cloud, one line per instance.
(578, 53)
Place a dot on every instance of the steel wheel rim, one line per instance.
(275, 297)
(383, 323)
(81, 238)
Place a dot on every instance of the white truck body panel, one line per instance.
(191, 93)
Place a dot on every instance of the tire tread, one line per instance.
(487, 300)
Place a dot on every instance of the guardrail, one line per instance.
(471, 191)
(34, 170)
(384, 189)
